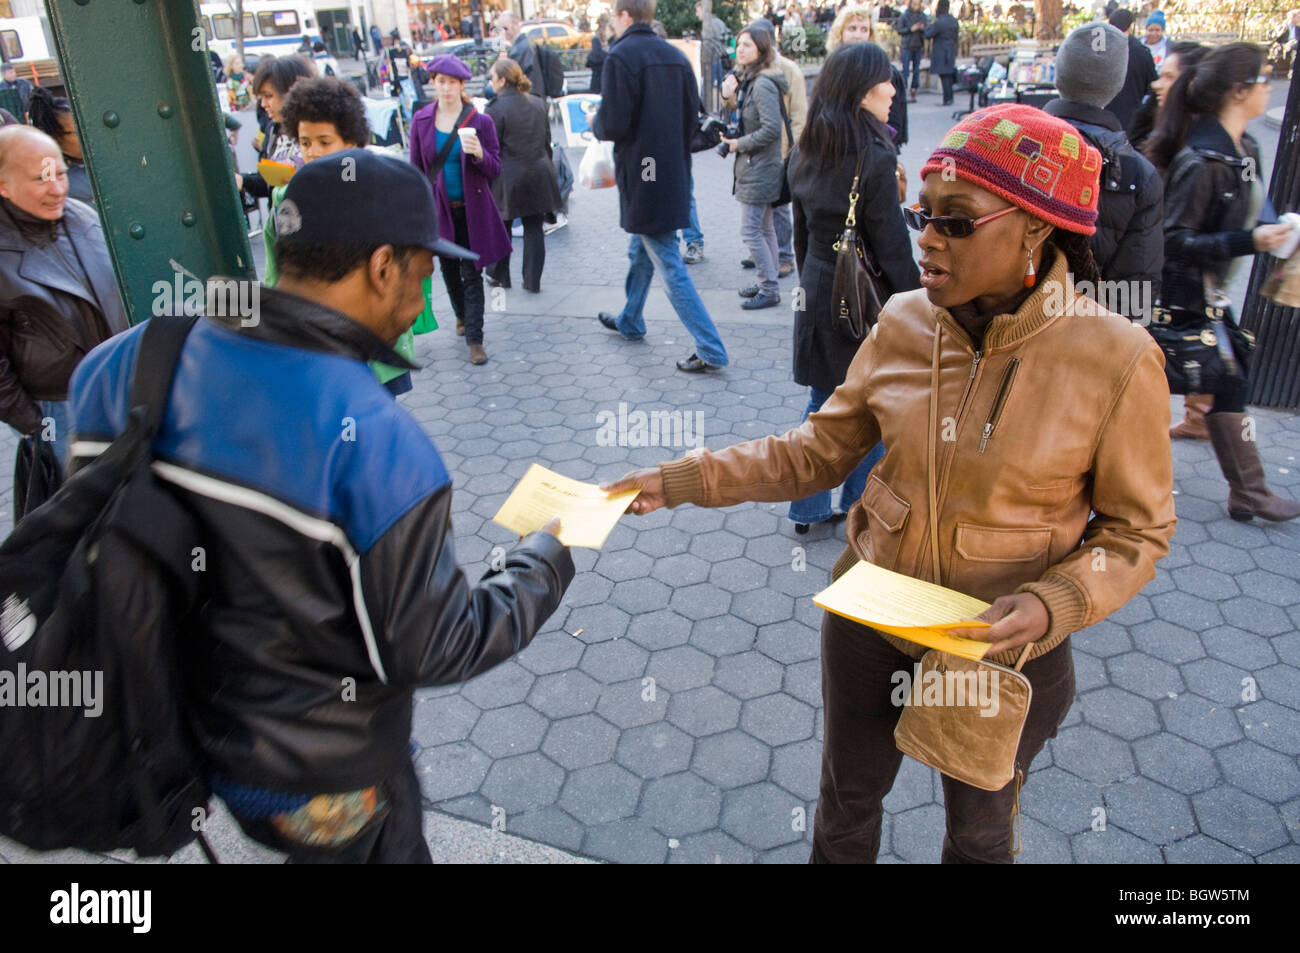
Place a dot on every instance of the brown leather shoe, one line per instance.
(1248, 493)
(1192, 427)
(477, 355)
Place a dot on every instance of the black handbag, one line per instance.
(1204, 351)
(785, 197)
(859, 290)
(37, 475)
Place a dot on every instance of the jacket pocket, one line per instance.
(887, 514)
(991, 561)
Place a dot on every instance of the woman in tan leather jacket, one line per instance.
(1025, 465)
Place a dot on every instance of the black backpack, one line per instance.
(552, 70)
(95, 588)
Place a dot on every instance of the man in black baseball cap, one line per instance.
(331, 584)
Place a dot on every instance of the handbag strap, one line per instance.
(851, 220)
(785, 117)
(439, 160)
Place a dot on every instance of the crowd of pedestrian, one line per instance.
(334, 558)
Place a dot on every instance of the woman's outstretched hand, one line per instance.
(649, 482)
(1014, 621)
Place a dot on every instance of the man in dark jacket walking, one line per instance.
(516, 45)
(331, 586)
(58, 293)
(648, 108)
(11, 80)
(1139, 73)
(1129, 241)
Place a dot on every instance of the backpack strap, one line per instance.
(155, 367)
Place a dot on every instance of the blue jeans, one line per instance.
(692, 235)
(646, 253)
(912, 58)
(783, 222)
(816, 508)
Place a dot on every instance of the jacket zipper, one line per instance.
(961, 406)
(970, 382)
(996, 413)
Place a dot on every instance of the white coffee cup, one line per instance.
(1288, 249)
(467, 135)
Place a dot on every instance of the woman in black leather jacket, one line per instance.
(846, 119)
(1214, 200)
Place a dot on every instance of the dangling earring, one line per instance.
(1029, 272)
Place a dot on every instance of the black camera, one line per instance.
(729, 131)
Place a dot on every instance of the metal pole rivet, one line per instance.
(112, 119)
(136, 230)
(165, 110)
(189, 219)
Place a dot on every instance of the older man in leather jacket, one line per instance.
(58, 294)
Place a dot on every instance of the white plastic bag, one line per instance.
(596, 171)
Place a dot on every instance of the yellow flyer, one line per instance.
(275, 174)
(586, 513)
(909, 608)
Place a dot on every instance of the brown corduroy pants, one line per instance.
(860, 761)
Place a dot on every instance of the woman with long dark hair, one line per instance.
(759, 170)
(52, 115)
(846, 123)
(272, 80)
(1180, 56)
(1214, 196)
(944, 32)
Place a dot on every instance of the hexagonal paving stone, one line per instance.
(701, 601)
(1281, 683)
(1113, 846)
(526, 782)
(681, 804)
(550, 825)
(1259, 771)
(789, 642)
(731, 759)
(914, 785)
(1149, 811)
(1207, 583)
(1271, 588)
(738, 575)
(655, 750)
(614, 660)
(1169, 642)
(1230, 644)
(588, 589)
(601, 793)
(713, 847)
(682, 569)
(659, 630)
(627, 842)
(717, 545)
(681, 669)
(437, 721)
(1102, 640)
(917, 835)
(632, 703)
(1175, 763)
(1119, 712)
(1199, 720)
(703, 711)
(580, 741)
(451, 770)
(562, 694)
(1226, 559)
(1092, 755)
(1271, 725)
(803, 680)
(751, 522)
(1215, 680)
(748, 675)
(638, 596)
(1252, 615)
(723, 635)
(624, 565)
(506, 684)
(502, 732)
(1061, 800)
(765, 607)
(1144, 675)
(1200, 849)
(663, 542)
(777, 719)
(1239, 820)
(762, 816)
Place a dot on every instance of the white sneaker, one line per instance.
(516, 232)
(560, 221)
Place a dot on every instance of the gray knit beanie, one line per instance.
(1091, 64)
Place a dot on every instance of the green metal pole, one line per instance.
(138, 76)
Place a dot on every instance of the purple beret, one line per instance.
(448, 65)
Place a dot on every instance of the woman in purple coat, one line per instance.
(457, 148)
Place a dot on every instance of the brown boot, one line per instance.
(1195, 407)
(1248, 493)
(477, 355)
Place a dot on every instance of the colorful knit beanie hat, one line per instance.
(1035, 161)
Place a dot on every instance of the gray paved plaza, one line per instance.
(670, 711)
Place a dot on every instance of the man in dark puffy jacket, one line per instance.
(1129, 242)
(58, 294)
(331, 586)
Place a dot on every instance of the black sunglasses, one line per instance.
(947, 225)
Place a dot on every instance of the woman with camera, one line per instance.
(759, 87)
(1214, 197)
(845, 138)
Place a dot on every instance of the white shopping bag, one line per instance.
(596, 171)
